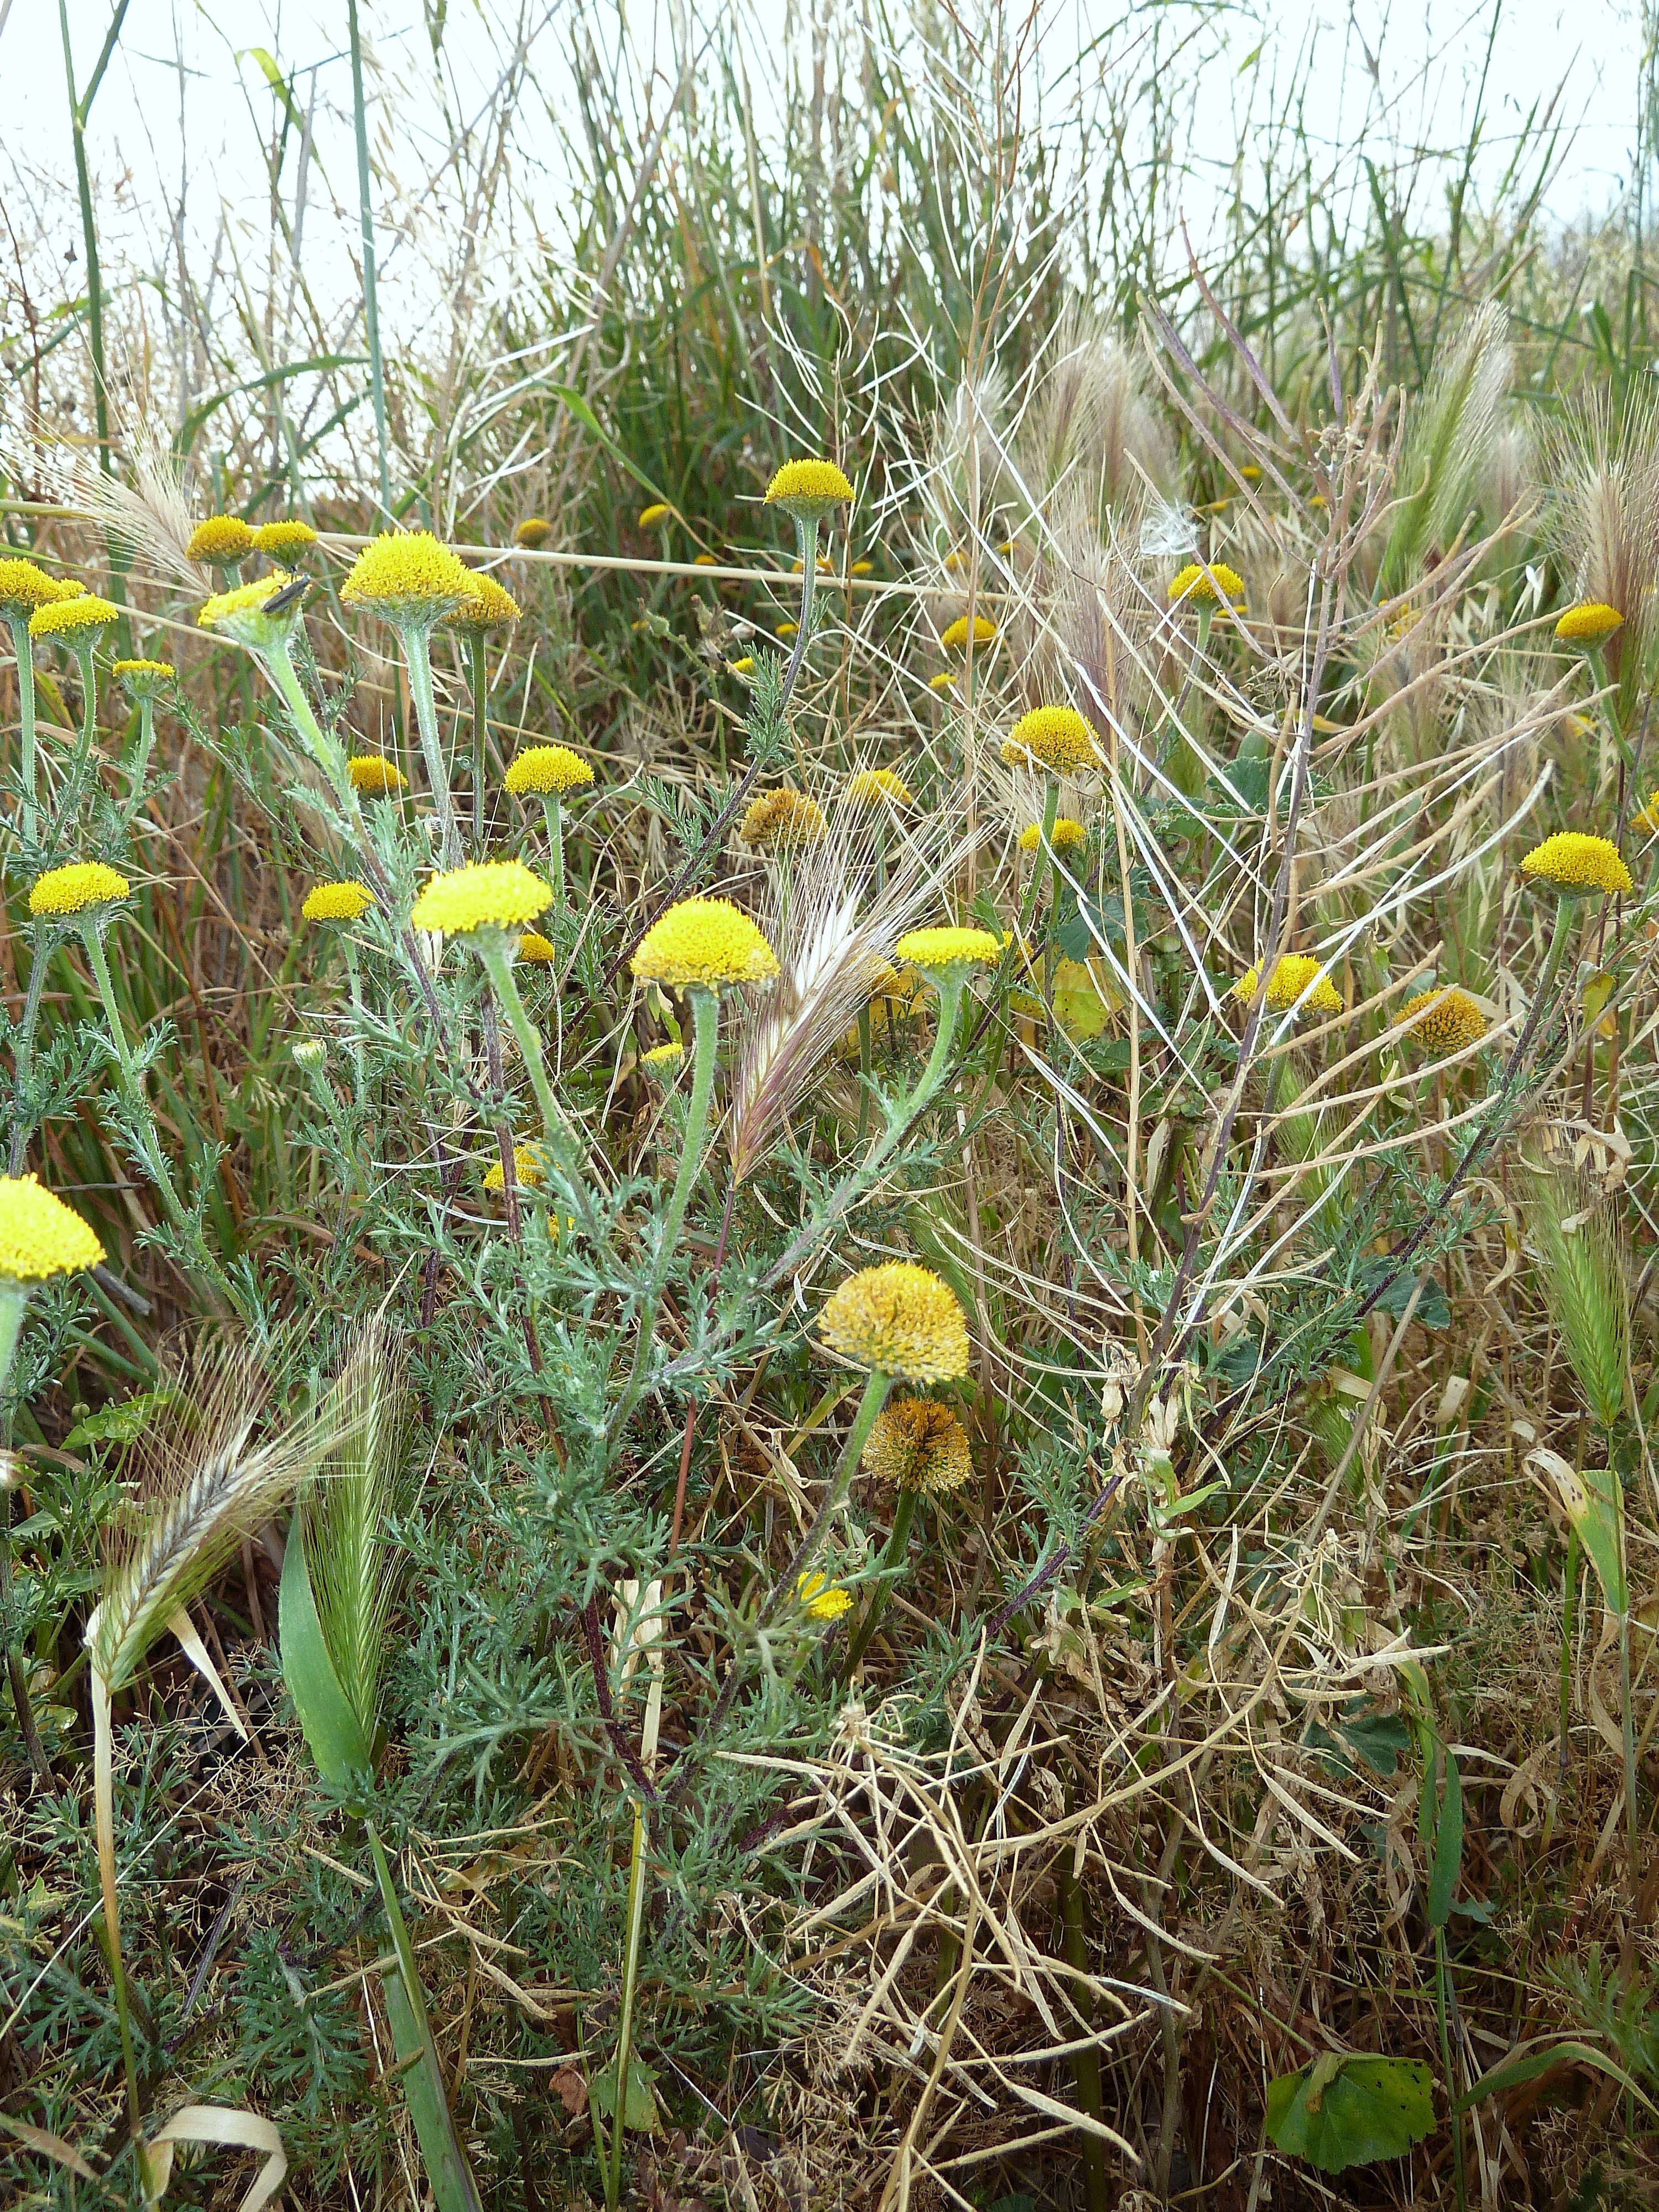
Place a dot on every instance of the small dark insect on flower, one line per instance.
(290, 595)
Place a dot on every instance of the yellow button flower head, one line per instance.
(536, 948)
(39, 1235)
(285, 540)
(900, 1319)
(1054, 738)
(862, 568)
(664, 1059)
(243, 613)
(935, 950)
(487, 607)
(80, 620)
(659, 511)
(532, 532)
(705, 560)
(788, 629)
(23, 587)
(483, 895)
(144, 679)
(742, 665)
(344, 902)
(822, 1599)
(1217, 581)
(878, 787)
(954, 637)
(782, 820)
(1588, 623)
(1296, 973)
(547, 770)
(408, 579)
(1578, 865)
(943, 682)
(82, 885)
(1063, 837)
(918, 1444)
(526, 1168)
(704, 944)
(221, 542)
(1446, 1020)
(376, 776)
(809, 489)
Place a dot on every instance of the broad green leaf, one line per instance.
(333, 1734)
(1348, 2111)
(642, 2114)
(1447, 1847)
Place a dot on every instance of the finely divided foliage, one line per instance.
(827, 1354)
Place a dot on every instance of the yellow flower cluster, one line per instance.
(659, 511)
(487, 606)
(546, 769)
(344, 902)
(73, 617)
(704, 944)
(899, 1319)
(376, 776)
(1589, 622)
(23, 587)
(808, 488)
(74, 889)
(943, 682)
(408, 576)
(526, 1168)
(742, 665)
(285, 540)
(39, 1235)
(918, 1444)
(1296, 972)
(779, 820)
(1446, 1020)
(532, 532)
(1217, 581)
(226, 609)
(533, 946)
(934, 950)
(1577, 865)
(483, 895)
(954, 637)
(1054, 738)
(1065, 835)
(221, 541)
(878, 787)
(664, 1059)
(822, 1599)
(143, 676)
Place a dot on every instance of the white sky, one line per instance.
(1426, 78)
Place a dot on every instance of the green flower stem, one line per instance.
(950, 983)
(479, 681)
(491, 946)
(154, 1160)
(553, 815)
(46, 943)
(87, 664)
(892, 1565)
(418, 656)
(636, 1895)
(141, 756)
(1045, 844)
(22, 645)
(14, 1303)
(870, 1405)
(706, 1016)
(807, 539)
(328, 753)
(356, 983)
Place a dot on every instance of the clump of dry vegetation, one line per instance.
(826, 1284)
